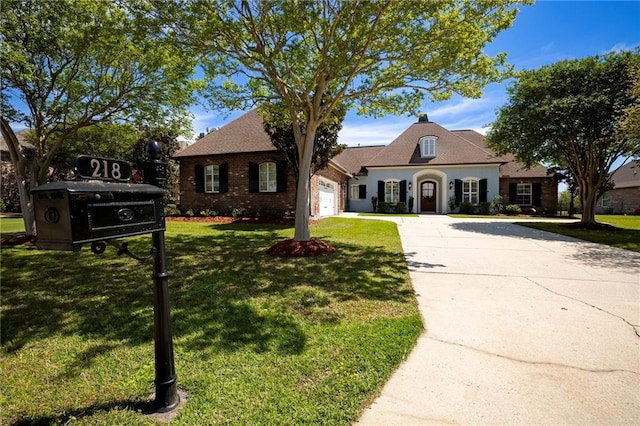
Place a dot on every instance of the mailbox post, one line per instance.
(167, 397)
(72, 213)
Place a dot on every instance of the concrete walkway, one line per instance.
(522, 327)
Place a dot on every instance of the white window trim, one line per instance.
(469, 195)
(605, 200)
(271, 182)
(520, 196)
(212, 179)
(387, 195)
(355, 191)
(428, 146)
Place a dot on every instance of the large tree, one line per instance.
(70, 64)
(568, 114)
(311, 56)
(325, 147)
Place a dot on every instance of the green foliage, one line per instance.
(384, 207)
(314, 57)
(512, 210)
(3, 206)
(568, 114)
(279, 128)
(411, 201)
(484, 208)
(374, 203)
(171, 210)
(257, 339)
(401, 207)
(467, 208)
(70, 64)
(452, 202)
(497, 204)
(110, 140)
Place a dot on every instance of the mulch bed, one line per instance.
(17, 240)
(292, 248)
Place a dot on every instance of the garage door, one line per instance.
(327, 198)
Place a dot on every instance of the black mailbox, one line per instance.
(70, 213)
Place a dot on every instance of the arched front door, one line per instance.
(428, 192)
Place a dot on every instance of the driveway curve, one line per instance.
(521, 327)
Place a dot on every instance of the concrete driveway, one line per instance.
(522, 327)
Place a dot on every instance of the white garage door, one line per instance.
(327, 198)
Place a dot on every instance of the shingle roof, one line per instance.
(628, 175)
(244, 134)
(353, 158)
(453, 147)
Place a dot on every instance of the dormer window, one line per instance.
(428, 146)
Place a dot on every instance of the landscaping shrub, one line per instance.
(467, 208)
(513, 209)
(401, 207)
(484, 208)
(410, 204)
(374, 203)
(383, 207)
(171, 210)
(497, 204)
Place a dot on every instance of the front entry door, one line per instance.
(428, 197)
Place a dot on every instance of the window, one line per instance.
(523, 194)
(428, 146)
(268, 177)
(605, 200)
(392, 191)
(355, 192)
(211, 179)
(470, 191)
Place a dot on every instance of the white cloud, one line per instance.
(368, 131)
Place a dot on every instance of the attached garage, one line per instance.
(327, 196)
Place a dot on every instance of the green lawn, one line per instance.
(257, 340)
(626, 237)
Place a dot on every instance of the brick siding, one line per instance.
(620, 201)
(548, 197)
(238, 195)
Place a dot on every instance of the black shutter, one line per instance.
(536, 192)
(381, 191)
(458, 191)
(362, 192)
(403, 191)
(483, 191)
(281, 176)
(223, 172)
(199, 177)
(254, 177)
(513, 193)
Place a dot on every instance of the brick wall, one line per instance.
(620, 201)
(549, 192)
(238, 195)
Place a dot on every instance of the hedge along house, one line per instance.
(433, 170)
(237, 167)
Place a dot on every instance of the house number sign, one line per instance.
(89, 167)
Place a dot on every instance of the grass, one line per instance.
(257, 340)
(627, 236)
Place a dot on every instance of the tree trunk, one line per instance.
(26, 205)
(303, 194)
(21, 166)
(588, 199)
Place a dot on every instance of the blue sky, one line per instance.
(544, 33)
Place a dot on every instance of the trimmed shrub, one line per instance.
(513, 209)
(467, 208)
(401, 207)
(484, 208)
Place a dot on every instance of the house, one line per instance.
(433, 170)
(237, 167)
(624, 198)
(427, 167)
